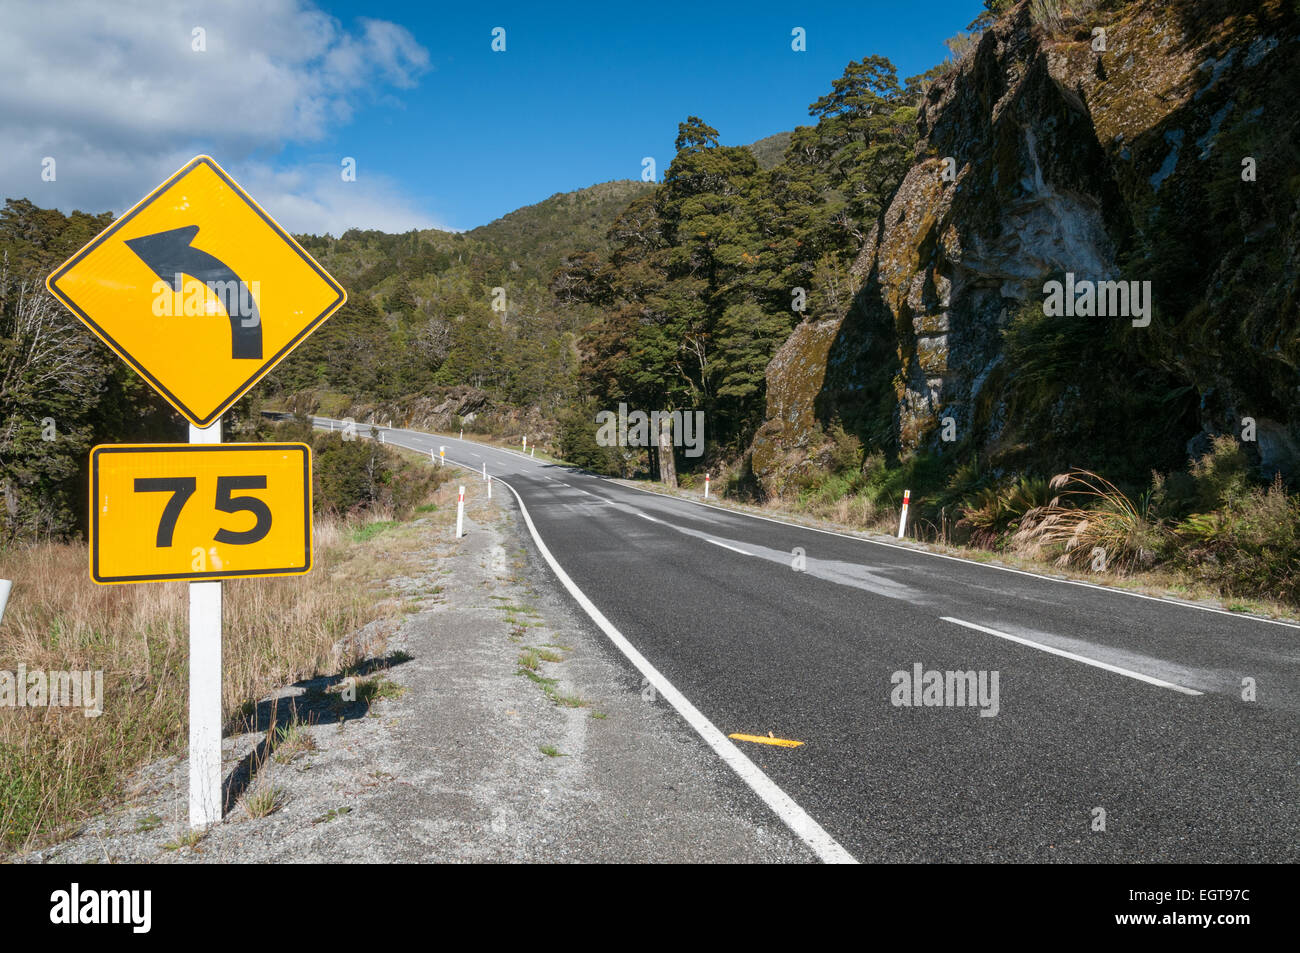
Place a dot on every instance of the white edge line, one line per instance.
(1070, 655)
(969, 562)
(725, 546)
(794, 816)
(827, 848)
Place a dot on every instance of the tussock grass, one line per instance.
(1092, 520)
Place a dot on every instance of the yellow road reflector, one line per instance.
(199, 511)
(765, 740)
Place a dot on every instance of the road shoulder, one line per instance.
(499, 726)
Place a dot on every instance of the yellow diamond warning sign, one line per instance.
(198, 289)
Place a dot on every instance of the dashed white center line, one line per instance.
(725, 546)
(1077, 658)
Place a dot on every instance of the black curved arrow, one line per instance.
(170, 255)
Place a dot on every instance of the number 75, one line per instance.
(182, 488)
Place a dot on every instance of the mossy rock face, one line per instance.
(792, 432)
(1124, 163)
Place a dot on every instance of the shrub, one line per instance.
(997, 510)
(1221, 477)
(846, 450)
(1249, 547)
(576, 439)
(354, 475)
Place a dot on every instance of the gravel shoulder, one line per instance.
(455, 751)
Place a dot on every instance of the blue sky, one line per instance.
(581, 96)
(445, 132)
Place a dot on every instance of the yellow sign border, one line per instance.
(93, 524)
(51, 284)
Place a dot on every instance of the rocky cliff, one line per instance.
(1145, 142)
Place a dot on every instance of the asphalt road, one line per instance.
(1105, 700)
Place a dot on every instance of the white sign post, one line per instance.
(205, 685)
(460, 514)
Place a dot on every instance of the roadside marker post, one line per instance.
(706, 486)
(902, 520)
(381, 436)
(442, 453)
(199, 239)
(460, 514)
(525, 441)
(485, 470)
(462, 433)
(533, 454)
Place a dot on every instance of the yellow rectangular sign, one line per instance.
(199, 511)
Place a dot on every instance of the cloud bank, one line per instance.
(119, 97)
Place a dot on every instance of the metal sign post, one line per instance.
(205, 685)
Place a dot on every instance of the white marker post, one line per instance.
(485, 469)
(902, 520)
(706, 486)
(381, 436)
(460, 514)
(534, 453)
(205, 684)
(525, 441)
(462, 433)
(442, 454)
(5, 586)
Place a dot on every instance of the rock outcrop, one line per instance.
(1167, 156)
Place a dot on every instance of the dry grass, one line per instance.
(56, 765)
(1091, 520)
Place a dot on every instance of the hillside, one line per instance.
(423, 317)
(536, 237)
(770, 150)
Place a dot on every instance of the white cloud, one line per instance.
(314, 198)
(116, 95)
